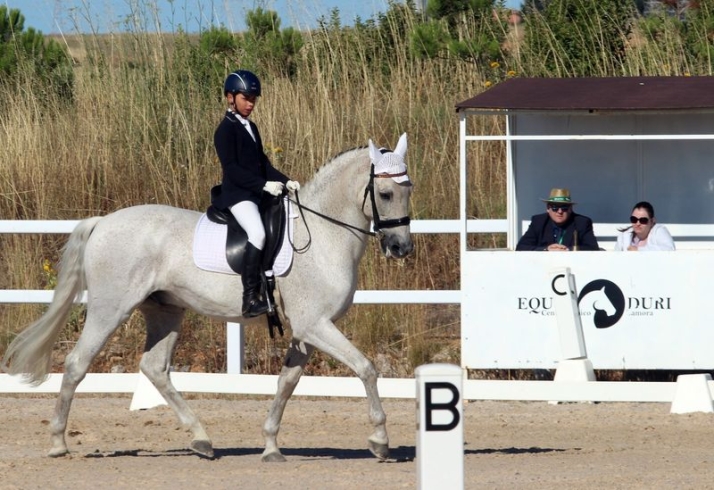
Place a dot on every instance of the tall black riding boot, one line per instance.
(252, 304)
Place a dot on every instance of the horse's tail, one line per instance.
(30, 353)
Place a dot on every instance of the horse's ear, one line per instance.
(401, 148)
(373, 152)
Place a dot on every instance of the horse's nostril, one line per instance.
(399, 250)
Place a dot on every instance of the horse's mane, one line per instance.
(343, 152)
(334, 164)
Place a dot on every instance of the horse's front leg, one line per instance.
(332, 342)
(293, 367)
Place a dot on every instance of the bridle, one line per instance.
(379, 223)
(369, 190)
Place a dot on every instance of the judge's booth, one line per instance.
(612, 142)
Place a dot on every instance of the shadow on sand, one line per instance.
(401, 454)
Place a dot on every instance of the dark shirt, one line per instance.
(245, 165)
(543, 232)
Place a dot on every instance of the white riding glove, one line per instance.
(273, 187)
(293, 185)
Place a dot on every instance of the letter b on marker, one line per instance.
(450, 407)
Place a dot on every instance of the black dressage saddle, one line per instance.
(272, 212)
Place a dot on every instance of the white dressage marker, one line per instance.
(440, 429)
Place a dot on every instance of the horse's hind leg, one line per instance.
(293, 366)
(162, 329)
(98, 327)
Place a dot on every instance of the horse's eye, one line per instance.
(385, 196)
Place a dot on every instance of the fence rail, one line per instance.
(253, 384)
(234, 382)
(417, 226)
(473, 389)
(445, 226)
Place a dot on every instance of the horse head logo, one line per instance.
(606, 299)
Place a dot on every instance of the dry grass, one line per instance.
(133, 136)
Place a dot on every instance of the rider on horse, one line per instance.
(247, 173)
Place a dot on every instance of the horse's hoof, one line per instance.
(379, 450)
(275, 457)
(204, 448)
(58, 452)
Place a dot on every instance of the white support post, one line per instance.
(567, 314)
(692, 394)
(235, 352)
(574, 364)
(145, 395)
(440, 430)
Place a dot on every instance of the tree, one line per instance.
(266, 44)
(28, 53)
(465, 29)
(578, 37)
(699, 32)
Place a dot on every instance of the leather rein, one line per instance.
(379, 223)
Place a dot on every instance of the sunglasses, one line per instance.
(559, 207)
(643, 221)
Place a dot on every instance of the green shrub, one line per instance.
(27, 55)
(269, 49)
(465, 29)
(699, 34)
(571, 38)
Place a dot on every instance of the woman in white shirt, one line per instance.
(644, 234)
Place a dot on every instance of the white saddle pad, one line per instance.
(209, 246)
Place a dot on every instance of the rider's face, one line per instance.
(242, 104)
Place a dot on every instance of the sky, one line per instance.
(101, 16)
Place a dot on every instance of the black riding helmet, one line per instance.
(242, 81)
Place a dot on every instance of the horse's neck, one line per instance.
(337, 191)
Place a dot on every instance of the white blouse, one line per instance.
(658, 239)
(245, 124)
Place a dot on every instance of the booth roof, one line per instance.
(597, 94)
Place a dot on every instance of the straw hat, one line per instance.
(559, 196)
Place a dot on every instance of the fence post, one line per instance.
(692, 394)
(235, 352)
(574, 364)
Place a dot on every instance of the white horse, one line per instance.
(141, 257)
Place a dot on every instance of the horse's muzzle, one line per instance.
(395, 246)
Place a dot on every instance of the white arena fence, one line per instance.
(234, 382)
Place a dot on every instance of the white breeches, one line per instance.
(248, 217)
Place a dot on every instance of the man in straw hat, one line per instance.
(559, 228)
